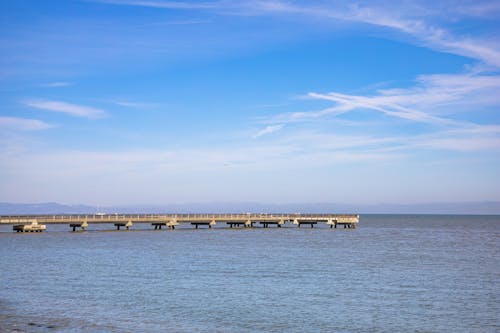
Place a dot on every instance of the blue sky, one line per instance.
(111, 102)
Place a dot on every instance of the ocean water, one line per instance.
(394, 273)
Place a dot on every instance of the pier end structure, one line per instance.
(28, 225)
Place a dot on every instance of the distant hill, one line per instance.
(235, 207)
(43, 208)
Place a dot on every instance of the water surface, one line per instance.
(393, 273)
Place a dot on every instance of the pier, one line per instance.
(38, 223)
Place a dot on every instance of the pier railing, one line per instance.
(144, 218)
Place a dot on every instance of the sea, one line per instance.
(393, 273)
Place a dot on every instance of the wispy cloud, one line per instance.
(181, 22)
(68, 108)
(270, 106)
(268, 130)
(462, 144)
(164, 4)
(408, 17)
(23, 124)
(303, 116)
(387, 105)
(57, 84)
(433, 99)
(407, 20)
(129, 104)
(476, 138)
(489, 9)
(431, 96)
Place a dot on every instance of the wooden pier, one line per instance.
(38, 223)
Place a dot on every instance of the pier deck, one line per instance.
(31, 222)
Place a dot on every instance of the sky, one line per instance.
(113, 102)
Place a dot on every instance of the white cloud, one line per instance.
(163, 4)
(409, 17)
(489, 9)
(296, 117)
(474, 138)
(57, 84)
(462, 144)
(433, 99)
(406, 17)
(134, 104)
(71, 109)
(268, 130)
(181, 22)
(426, 101)
(165, 175)
(382, 104)
(407, 20)
(23, 124)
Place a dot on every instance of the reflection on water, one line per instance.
(393, 273)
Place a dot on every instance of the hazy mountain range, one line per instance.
(486, 207)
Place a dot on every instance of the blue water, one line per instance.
(393, 273)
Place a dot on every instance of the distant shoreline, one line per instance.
(445, 208)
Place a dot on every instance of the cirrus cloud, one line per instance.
(68, 108)
(268, 130)
(23, 124)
